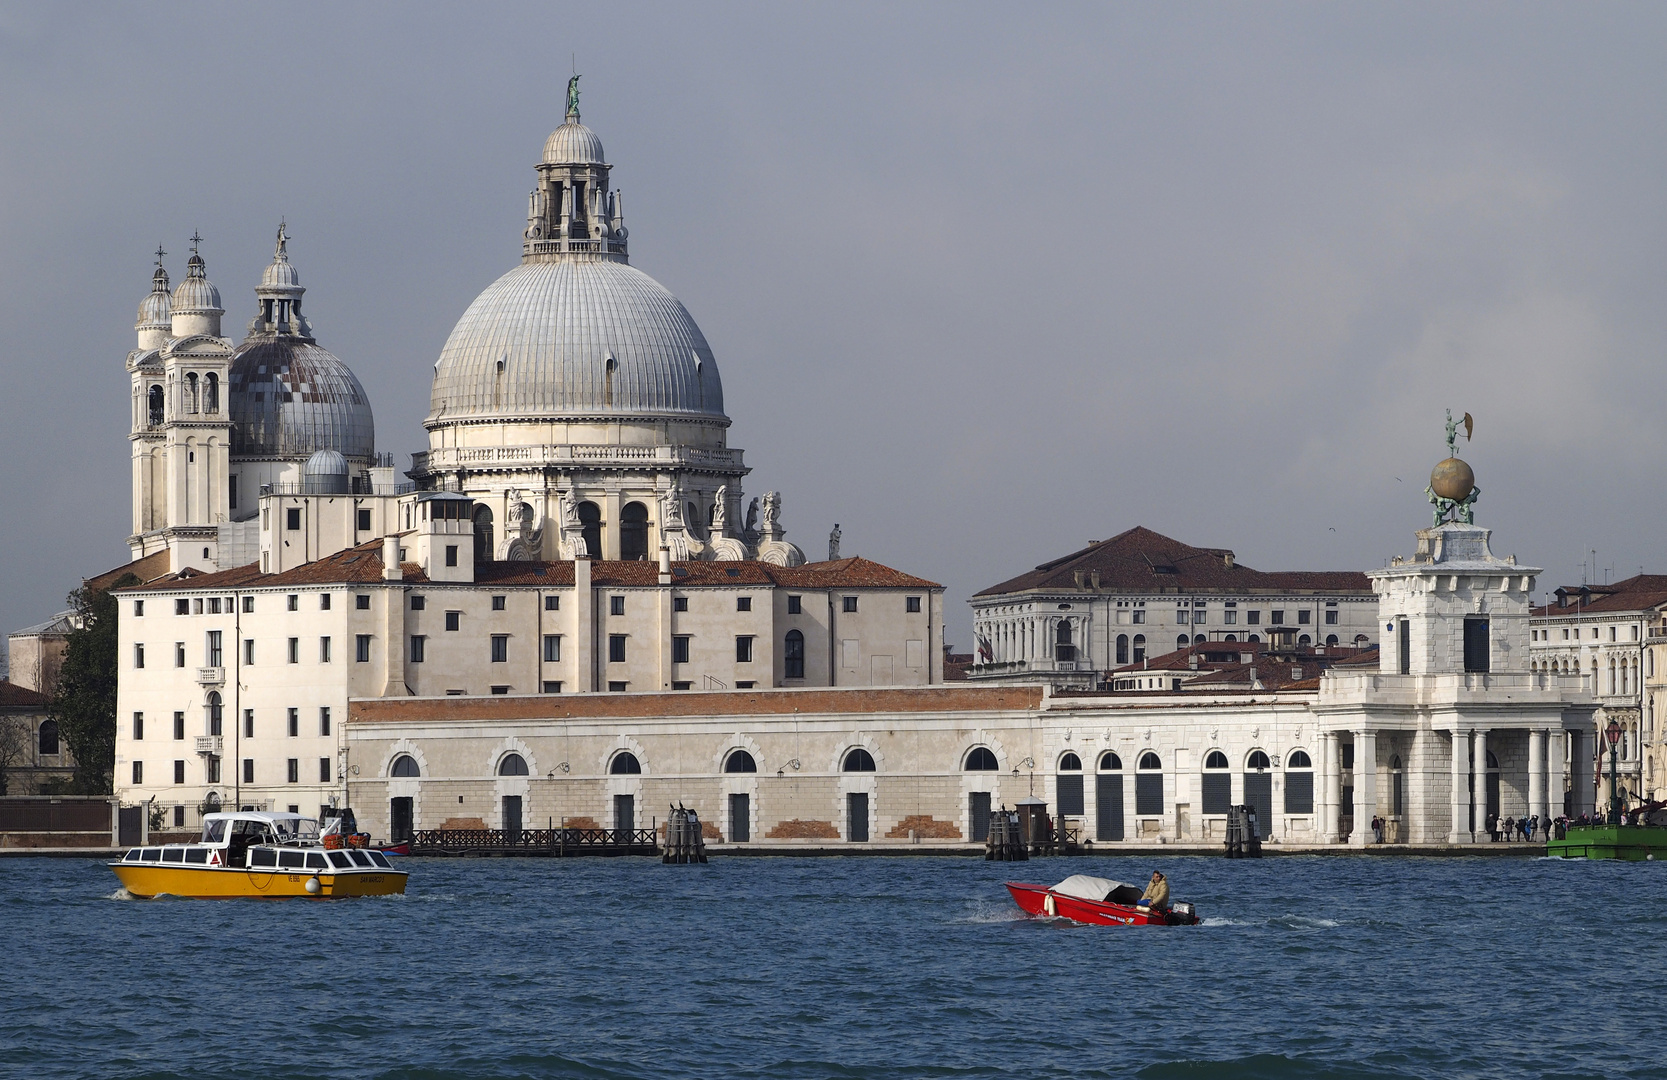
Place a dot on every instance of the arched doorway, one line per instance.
(633, 532)
(590, 523)
(483, 533)
(1258, 790)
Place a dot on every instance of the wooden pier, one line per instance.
(535, 843)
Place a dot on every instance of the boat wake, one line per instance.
(120, 894)
(992, 913)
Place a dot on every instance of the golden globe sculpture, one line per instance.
(1452, 479)
(1453, 491)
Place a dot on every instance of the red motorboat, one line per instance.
(1098, 901)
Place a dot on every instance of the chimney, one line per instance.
(390, 559)
(1228, 559)
(665, 565)
(1094, 579)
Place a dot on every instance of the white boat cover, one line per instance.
(1088, 887)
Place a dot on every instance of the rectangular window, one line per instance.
(616, 688)
(292, 519)
(1216, 792)
(1198, 618)
(361, 648)
(682, 685)
(249, 652)
(1253, 618)
(1148, 794)
(1475, 644)
(911, 604)
(1403, 638)
(1070, 794)
(743, 603)
(849, 603)
(1331, 617)
(214, 605)
(138, 655)
(138, 772)
(211, 769)
(364, 521)
(231, 491)
(552, 648)
(1139, 615)
(498, 603)
(451, 554)
(293, 602)
(680, 603)
(680, 649)
(416, 603)
(1182, 616)
(179, 725)
(744, 684)
(138, 609)
(179, 771)
(139, 727)
(214, 657)
(248, 723)
(182, 607)
(418, 647)
(294, 723)
(248, 605)
(179, 823)
(295, 650)
(552, 603)
(500, 648)
(616, 605)
(794, 605)
(500, 690)
(1304, 617)
(616, 648)
(248, 770)
(743, 650)
(1278, 616)
(1229, 617)
(197, 609)
(294, 770)
(324, 770)
(361, 603)
(324, 601)
(552, 686)
(324, 650)
(324, 720)
(454, 620)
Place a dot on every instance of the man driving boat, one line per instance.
(1157, 893)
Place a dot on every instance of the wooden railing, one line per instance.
(535, 842)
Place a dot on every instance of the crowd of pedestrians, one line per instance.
(1519, 830)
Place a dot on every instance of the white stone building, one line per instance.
(1140, 594)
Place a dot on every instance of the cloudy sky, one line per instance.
(985, 282)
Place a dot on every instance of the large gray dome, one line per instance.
(575, 337)
(290, 399)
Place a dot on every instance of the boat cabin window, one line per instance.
(291, 860)
(315, 861)
(263, 857)
(361, 858)
(339, 860)
(173, 854)
(152, 854)
(214, 832)
(132, 855)
(380, 860)
(196, 855)
(292, 829)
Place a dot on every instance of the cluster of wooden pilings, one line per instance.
(684, 843)
(1006, 841)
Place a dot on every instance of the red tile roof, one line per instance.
(1143, 561)
(148, 568)
(15, 696)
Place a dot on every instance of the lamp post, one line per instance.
(1613, 734)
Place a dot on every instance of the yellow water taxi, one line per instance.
(255, 854)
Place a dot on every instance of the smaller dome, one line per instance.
(155, 309)
(573, 144)
(196, 294)
(280, 275)
(325, 463)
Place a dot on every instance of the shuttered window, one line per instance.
(1070, 794)
(1108, 807)
(1258, 792)
(978, 813)
(1217, 792)
(1148, 794)
(1299, 793)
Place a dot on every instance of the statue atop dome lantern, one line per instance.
(573, 96)
(1452, 489)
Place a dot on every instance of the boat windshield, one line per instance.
(214, 831)
(289, 830)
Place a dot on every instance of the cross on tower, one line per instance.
(195, 240)
(159, 254)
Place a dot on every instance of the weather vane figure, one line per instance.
(1453, 491)
(573, 96)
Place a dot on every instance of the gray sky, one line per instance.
(984, 282)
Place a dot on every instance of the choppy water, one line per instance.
(885, 968)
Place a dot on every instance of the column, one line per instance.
(1536, 774)
(1416, 827)
(1324, 830)
(1458, 798)
(1555, 748)
(1479, 769)
(1365, 786)
(1333, 786)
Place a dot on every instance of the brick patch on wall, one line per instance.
(803, 830)
(579, 823)
(926, 828)
(463, 823)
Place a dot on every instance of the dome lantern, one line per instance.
(195, 308)
(155, 319)
(279, 293)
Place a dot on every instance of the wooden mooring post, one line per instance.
(1006, 841)
(684, 843)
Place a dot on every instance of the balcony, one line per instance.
(210, 745)
(211, 676)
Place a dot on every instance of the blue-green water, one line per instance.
(845, 968)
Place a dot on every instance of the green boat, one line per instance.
(1631, 843)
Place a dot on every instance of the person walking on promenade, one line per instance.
(1510, 827)
(1491, 826)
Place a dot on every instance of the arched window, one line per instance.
(858, 760)
(1182, 641)
(793, 655)
(1122, 649)
(1110, 762)
(982, 759)
(49, 737)
(1360, 641)
(512, 765)
(1330, 640)
(740, 761)
(1299, 759)
(404, 765)
(1230, 637)
(211, 393)
(483, 533)
(154, 405)
(624, 763)
(1305, 640)
(633, 532)
(1068, 786)
(1217, 790)
(1150, 761)
(1069, 762)
(694, 521)
(1063, 648)
(1254, 638)
(215, 713)
(1397, 787)
(1299, 783)
(1139, 648)
(590, 524)
(1198, 639)
(191, 392)
(1257, 761)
